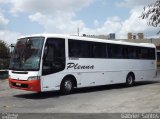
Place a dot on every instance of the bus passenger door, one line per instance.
(53, 63)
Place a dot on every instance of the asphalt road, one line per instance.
(141, 98)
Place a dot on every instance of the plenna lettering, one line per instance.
(77, 66)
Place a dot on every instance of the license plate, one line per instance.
(18, 84)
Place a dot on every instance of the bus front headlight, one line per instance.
(31, 78)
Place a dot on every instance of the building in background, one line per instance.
(96, 36)
(140, 36)
(110, 36)
(133, 36)
(129, 36)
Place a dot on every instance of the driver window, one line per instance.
(54, 56)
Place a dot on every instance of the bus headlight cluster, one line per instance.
(33, 78)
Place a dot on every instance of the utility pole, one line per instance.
(78, 31)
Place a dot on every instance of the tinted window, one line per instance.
(132, 52)
(152, 53)
(79, 49)
(115, 51)
(86, 49)
(100, 50)
(158, 55)
(144, 53)
(54, 56)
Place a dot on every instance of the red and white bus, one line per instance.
(47, 62)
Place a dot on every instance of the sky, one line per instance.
(92, 17)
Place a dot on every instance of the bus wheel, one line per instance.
(130, 79)
(67, 86)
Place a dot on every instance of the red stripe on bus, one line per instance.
(33, 85)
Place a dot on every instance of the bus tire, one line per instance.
(130, 80)
(67, 86)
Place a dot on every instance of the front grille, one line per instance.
(19, 85)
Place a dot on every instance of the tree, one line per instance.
(152, 14)
(4, 55)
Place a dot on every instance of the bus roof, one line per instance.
(91, 39)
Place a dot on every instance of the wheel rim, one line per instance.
(130, 80)
(68, 85)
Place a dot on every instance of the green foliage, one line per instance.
(152, 14)
(4, 55)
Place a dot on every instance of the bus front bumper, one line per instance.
(33, 85)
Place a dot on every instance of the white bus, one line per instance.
(49, 62)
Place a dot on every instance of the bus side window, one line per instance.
(79, 49)
(54, 56)
(100, 50)
(50, 54)
(74, 48)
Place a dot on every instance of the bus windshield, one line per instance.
(27, 54)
